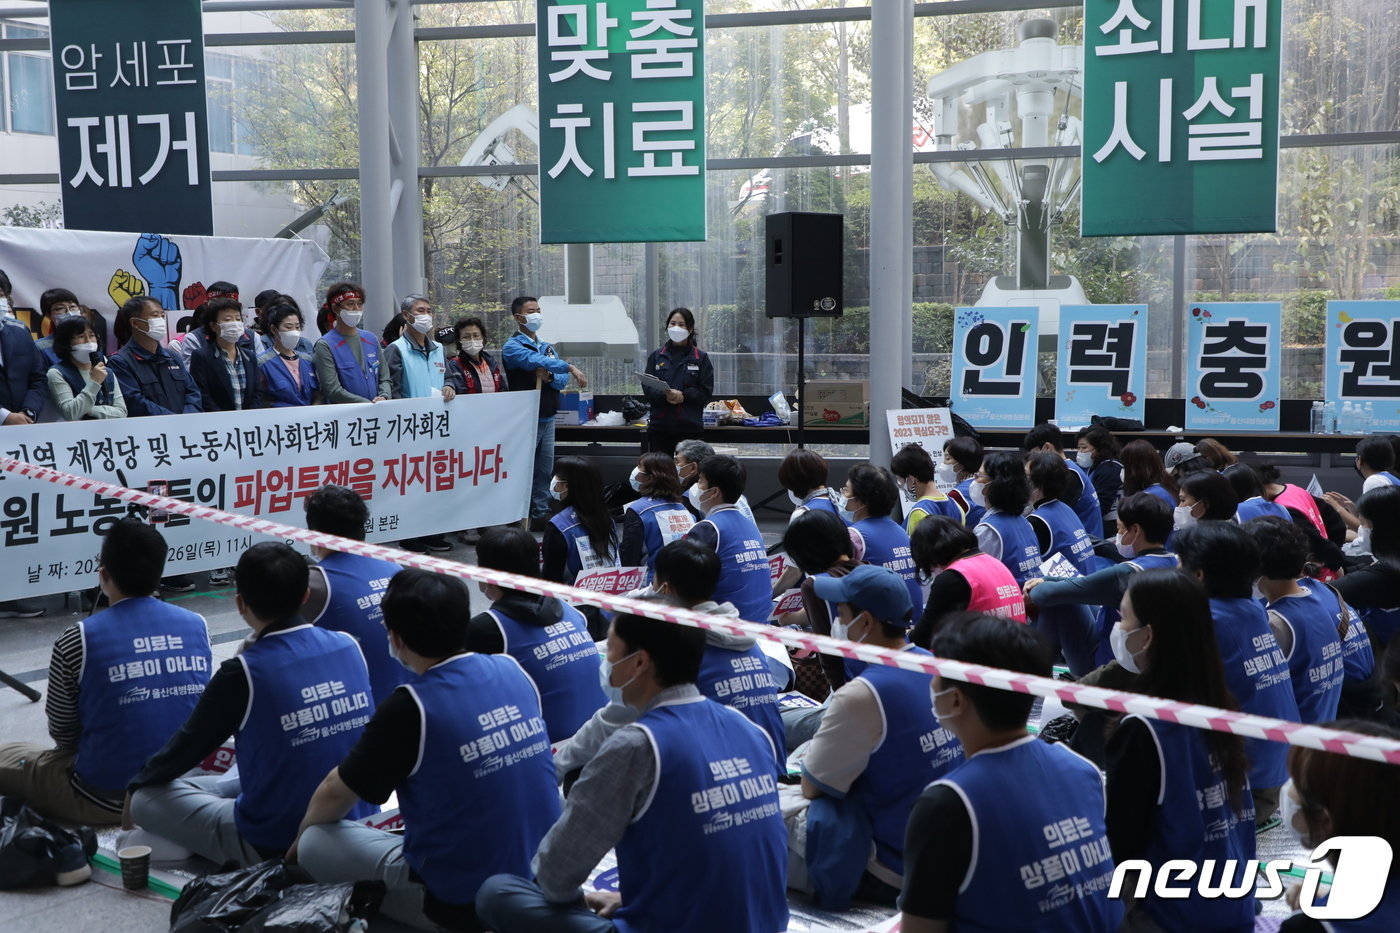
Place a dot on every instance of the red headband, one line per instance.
(221, 294)
(342, 295)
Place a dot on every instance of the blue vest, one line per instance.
(1384, 919)
(145, 664)
(353, 379)
(1390, 477)
(1020, 551)
(822, 502)
(974, 511)
(280, 389)
(1161, 492)
(422, 372)
(1067, 535)
(1358, 655)
(562, 660)
(354, 587)
(742, 680)
(483, 793)
(1258, 507)
(45, 347)
(584, 554)
(915, 750)
(1381, 623)
(1257, 675)
(1154, 562)
(1194, 820)
(943, 506)
(1087, 508)
(1315, 667)
(1034, 806)
(663, 521)
(309, 699)
(709, 851)
(743, 565)
(887, 545)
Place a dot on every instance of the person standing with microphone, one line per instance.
(678, 412)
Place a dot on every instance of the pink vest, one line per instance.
(1293, 497)
(994, 589)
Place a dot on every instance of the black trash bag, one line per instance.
(634, 409)
(222, 903)
(318, 908)
(1117, 424)
(34, 849)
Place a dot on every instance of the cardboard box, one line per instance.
(837, 414)
(575, 407)
(837, 392)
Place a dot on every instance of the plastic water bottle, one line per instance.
(1348, 422)
(1315, 419)
(1368, 421)
(1329, 418)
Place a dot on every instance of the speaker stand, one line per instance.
(801, 381)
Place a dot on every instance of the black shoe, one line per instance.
(438, 544)
(19, 609)
(180, 583)
(417, 545)
(471, 537)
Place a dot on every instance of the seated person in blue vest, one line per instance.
(286, 374)
(736, 670)
(743, 575)
(879, 745)
(547, 636)
(153, 380)
(1250, 491)
(1375, 463)
(1143, 471)
(866, 502)
(479, 372)
(916, 477)
(1004, 532)
(80, 389)
(962, 458)
(120, 683)
(690, 453)
(57, 305)
(687, 797)
(346, 357)
(980, 838)
(1079, 491)
(463, 745)
(296, 697)
(225, 369)
(581, 535)
(1098, 456)
(657, 516)
(1176, 792)
(1373, 589)
(804, 474)
(1225, 559)
(679, 411)
(346, 589)
(1307, 617)
(964, 579)
(1068, 629)
(533, 363)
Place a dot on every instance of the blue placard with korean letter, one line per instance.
(1233, 353)
(1363, 358)
(994, 366)
(1103, 363)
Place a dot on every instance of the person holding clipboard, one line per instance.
(681, 384)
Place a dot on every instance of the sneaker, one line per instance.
(221, 577)
(417, 545)
(1270, 823)
(438, 544)
(19, 609)
(180, 583)
(471, 537)
(71, 866)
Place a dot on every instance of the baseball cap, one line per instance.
(1179, 453)
(877, 590)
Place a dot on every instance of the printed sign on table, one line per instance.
(1363, 358)
(1102, 363)
(423, 466)
(994, 366)
(1232, 374)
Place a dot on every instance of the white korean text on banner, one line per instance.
(994, 366)
(622, 120)
(423, 466)
(930, 428)
(133, 134)
(1232, 366)
(1363, 359)
(105, 269)
(1102, 363)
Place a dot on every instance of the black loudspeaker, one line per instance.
(804, 262)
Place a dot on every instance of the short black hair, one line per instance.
(1104, 443)
(1243, 480)
(211, 308)
(280, 312)
(520, 302)
(1224, 554)
(975, 638)
(1048, 473)
(133, 554)
(263, 299)
(912, 460)
(55, 296)
(802, 470)
(135, 306)
(1008, 490)
(692, 570)
(815, 540)
(1376, 453)
(726, 474)
(966, 452)
(1381, 507)
(510, 549)
(1042, 434)
(272, 579)
(1148, 512)
(1283, 548)
(1215, 491)
(675, 650)
(428, 611)
(937, 540)
(875, 488)
(337, 510)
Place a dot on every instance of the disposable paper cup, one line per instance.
(136, 867)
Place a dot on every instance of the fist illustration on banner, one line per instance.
(194, 295)
(157, 258)
(124, 286)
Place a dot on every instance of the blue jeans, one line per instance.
(544, 468)
(511, 904)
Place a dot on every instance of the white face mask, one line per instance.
(1118, 639)
(82, 351)
(230, 330)
(5, 308)
(289, 339)
(678, 334)
(350, 318)
(533, 321)
(843, 505)
(909, 495)
(695, 494)
(945, 474)
(395, 655)
(934, 695)
(978, 491)
(155, 329)
(1291, 814)
(797, 503)
(423, 323)
(250, 317)
(635, 479)
(1126, 550)
(473, 346)
(1182, 517)
(842, 630)
(555, 493)
(605, 669)
(1084, 459)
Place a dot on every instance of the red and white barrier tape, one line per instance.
(1201, 717)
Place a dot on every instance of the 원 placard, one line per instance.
(1363, 358)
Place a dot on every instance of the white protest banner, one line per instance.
(105, 269)
(424, 467)
(930, 428)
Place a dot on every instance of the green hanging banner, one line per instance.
(622, 120)
(1180, 116)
